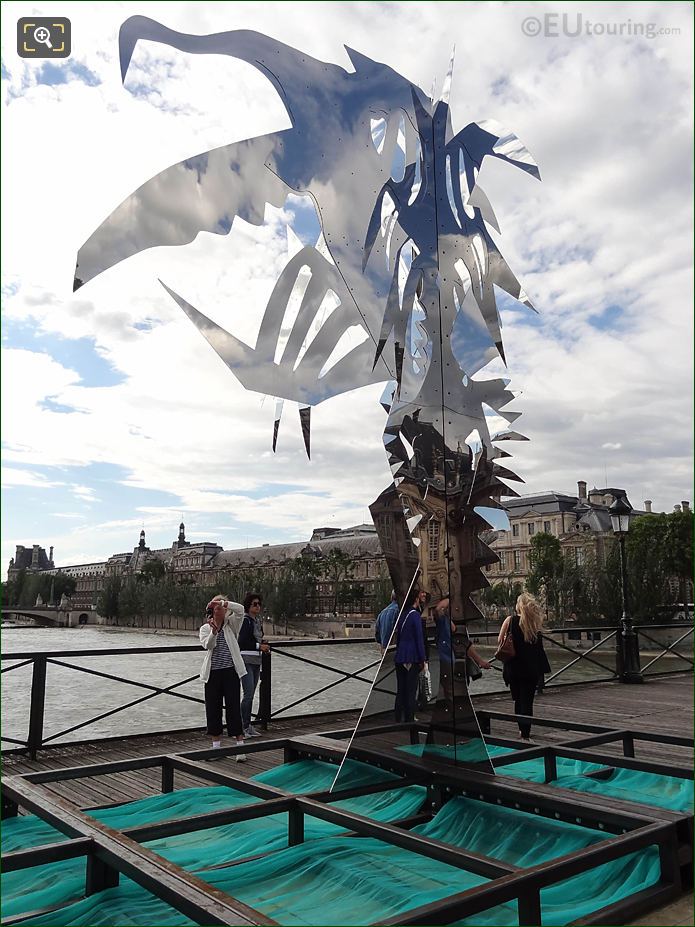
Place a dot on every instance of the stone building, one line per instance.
(206, 563)
(32, 561)
(581, 523)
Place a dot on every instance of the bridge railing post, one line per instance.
(38, 703)
(265, 691)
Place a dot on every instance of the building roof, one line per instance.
(366, 545)
(545, 503)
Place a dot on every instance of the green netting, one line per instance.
(349, 881)
(507, 834)
(126, 905)
(365, 881)
(625, 784)
(27, 831)
(532, 770)
(230, 842)
(314, 775)
(633, 785)
(362, 881)
(56, 883)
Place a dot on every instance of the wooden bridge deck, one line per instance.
(661, 705)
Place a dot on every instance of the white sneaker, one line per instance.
(240, 757)
(252, 732)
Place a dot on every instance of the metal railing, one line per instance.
(602, 640)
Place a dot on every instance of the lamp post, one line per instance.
(627, 650)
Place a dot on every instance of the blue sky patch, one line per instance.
(51, 406)
(78, 354)
(608, 319)
(52, 73)
(305, 225)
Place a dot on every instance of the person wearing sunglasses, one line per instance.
(252, 645)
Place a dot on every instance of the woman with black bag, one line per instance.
(525, 662)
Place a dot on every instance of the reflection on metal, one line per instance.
(405, 259)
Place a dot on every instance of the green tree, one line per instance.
(647, 566)
(351, 594)
(502, 595)
(12, 589)
(108, 599)
(678, 543)
(294, 589)
(547, 568)
(659, 550)
(338, 568)
(130, 599)
(382, 588)
(152, 571)
(62, 584)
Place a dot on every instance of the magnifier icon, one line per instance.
(43, 36)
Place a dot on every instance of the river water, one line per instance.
(73, 697)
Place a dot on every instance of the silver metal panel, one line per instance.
(406, 250)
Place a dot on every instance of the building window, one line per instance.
(386, 536)
(433, 530)
(517, 560)
(502, 554)
(531, 528)
(515, 531)
(579, 555)
(547, 527)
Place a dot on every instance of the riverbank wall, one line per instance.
(301, 627)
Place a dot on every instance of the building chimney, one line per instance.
(50, 553)
(676, 508)
(581, 489)
(685, 506)
(648, 506)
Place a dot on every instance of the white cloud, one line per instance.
(84, 493)
(13, 477)
(608, 121)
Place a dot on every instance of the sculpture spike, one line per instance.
(305, 420)
(279, 403)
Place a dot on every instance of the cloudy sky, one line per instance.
(117, 415)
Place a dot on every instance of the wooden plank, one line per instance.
(668, 707)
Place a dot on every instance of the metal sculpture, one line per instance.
(411, 269)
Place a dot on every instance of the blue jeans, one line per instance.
(248, 686)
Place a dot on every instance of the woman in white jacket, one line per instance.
(222, 668)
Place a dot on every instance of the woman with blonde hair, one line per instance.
(529, 662)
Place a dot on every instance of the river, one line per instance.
(73, 697)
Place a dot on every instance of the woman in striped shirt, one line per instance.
(223, 667)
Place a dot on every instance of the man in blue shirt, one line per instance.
(385, 622)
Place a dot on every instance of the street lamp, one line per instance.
(627, 650)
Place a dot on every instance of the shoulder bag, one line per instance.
(506, 651)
